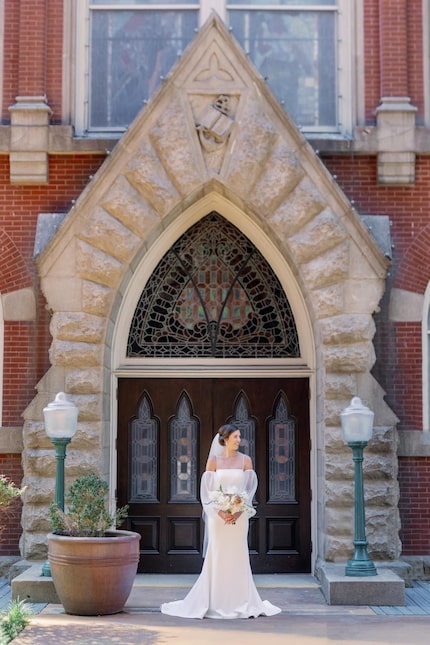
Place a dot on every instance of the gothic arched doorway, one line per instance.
(214, 296)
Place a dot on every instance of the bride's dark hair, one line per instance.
(224, 432)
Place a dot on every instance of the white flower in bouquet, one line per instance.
(232, 502)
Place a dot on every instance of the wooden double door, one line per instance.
(165, 430)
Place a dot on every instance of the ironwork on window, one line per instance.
(213, 295)
(282, 439)
(143, 441)
(183, 441)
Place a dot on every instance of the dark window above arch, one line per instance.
(213, 294)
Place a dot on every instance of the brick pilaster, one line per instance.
(32, 47)
(394, 51)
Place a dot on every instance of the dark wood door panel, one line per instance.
(172, 532)
(280, 532)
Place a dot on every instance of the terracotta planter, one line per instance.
(94, 576)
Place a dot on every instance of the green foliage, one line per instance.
(14, 619)
(87, 514)
(8, 491)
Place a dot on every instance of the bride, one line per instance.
(225, 587)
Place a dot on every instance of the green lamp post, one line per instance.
(61, 420)
(357, 426)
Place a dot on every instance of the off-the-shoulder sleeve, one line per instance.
(250, 484)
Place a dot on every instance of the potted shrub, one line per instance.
(93, 564)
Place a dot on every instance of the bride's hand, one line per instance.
(228, 517)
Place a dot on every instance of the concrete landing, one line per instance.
(386, 588)
(30, 585)
(305, 619)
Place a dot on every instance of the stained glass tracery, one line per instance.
(183, 440)
(243, 420)
(282, 454)
(213, 295)
(144, 453)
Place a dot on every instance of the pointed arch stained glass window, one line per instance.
(243, 420)
(213, 295)
(143, 448)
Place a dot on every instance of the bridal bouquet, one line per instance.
(232, 502)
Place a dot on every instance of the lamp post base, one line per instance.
(387, 588)
(360, 568)
(46, 570)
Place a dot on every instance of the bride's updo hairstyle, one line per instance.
(224, 432)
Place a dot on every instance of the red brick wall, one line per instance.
(393, 53)
(54, 54)
(10, 56)
(392, 38)
(414, 480)
(34, 70)
(26, 343)
(10, 466)
(32, 59)
(398, 345)
(415, 52)
(372, 72)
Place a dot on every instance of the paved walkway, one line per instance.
(306, 619)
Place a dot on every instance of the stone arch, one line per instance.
(213, 201)
(265, 178)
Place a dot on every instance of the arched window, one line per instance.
(213, 295)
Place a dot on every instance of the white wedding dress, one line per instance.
(225, 587)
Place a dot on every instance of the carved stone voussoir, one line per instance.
(129, 207)
(147, 174)
(96, 265)
(327, 268)
(109, 235)
(170, 139)
(322, 233)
